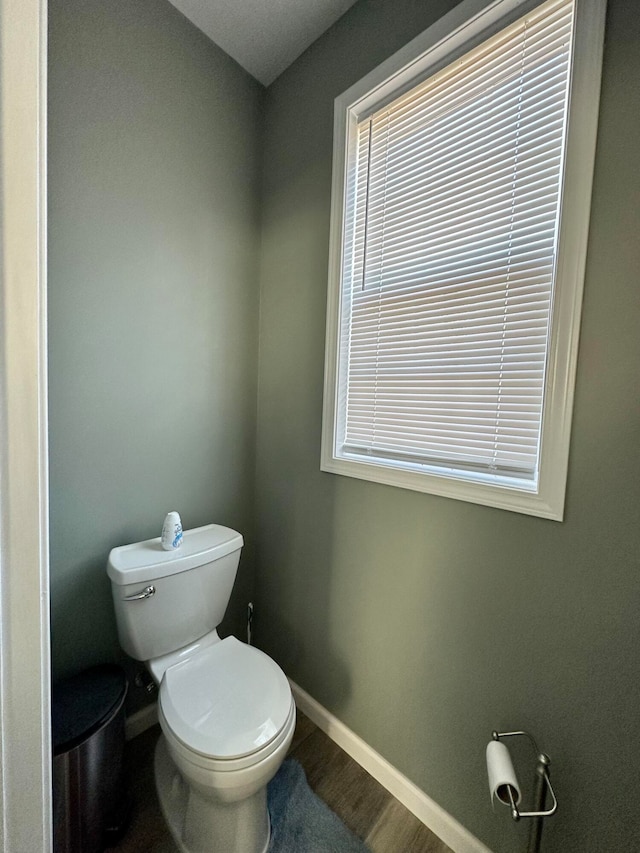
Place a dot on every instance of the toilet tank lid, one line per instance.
(144, 561)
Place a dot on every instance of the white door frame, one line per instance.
(25, 742)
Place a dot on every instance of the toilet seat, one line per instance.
(226, 707)
(207, 764)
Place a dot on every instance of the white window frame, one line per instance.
(470, 23)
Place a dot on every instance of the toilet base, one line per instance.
(202, 825)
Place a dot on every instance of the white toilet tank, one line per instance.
(166, 599)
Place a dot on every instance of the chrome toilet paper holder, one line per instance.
(542, 785)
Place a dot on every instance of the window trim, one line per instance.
(472, 21)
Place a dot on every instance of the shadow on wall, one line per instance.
(295, 608)
(295, 588)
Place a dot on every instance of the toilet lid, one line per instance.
(227, 700)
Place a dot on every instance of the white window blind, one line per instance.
(449, 253)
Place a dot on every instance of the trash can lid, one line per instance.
(81, 704)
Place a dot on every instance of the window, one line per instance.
(462, 179)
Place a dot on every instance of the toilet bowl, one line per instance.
(225, 708)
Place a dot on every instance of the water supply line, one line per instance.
(249, 621)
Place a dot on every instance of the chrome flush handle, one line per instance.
(147, 592)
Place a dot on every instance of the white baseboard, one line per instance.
(440, 822)
(142, 720)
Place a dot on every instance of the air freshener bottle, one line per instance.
(171, 532)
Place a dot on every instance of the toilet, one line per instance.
(225, 708)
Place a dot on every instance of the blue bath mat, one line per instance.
(300, 821)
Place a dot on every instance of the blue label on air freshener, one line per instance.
(177, 539)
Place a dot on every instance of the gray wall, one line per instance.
(423, 622)
(154, 139)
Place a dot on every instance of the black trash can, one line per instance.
(89, 801)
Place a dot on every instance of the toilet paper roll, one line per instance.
(501, 773)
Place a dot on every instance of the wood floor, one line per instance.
(355, 796)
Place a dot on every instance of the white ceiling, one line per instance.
(264, 36)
